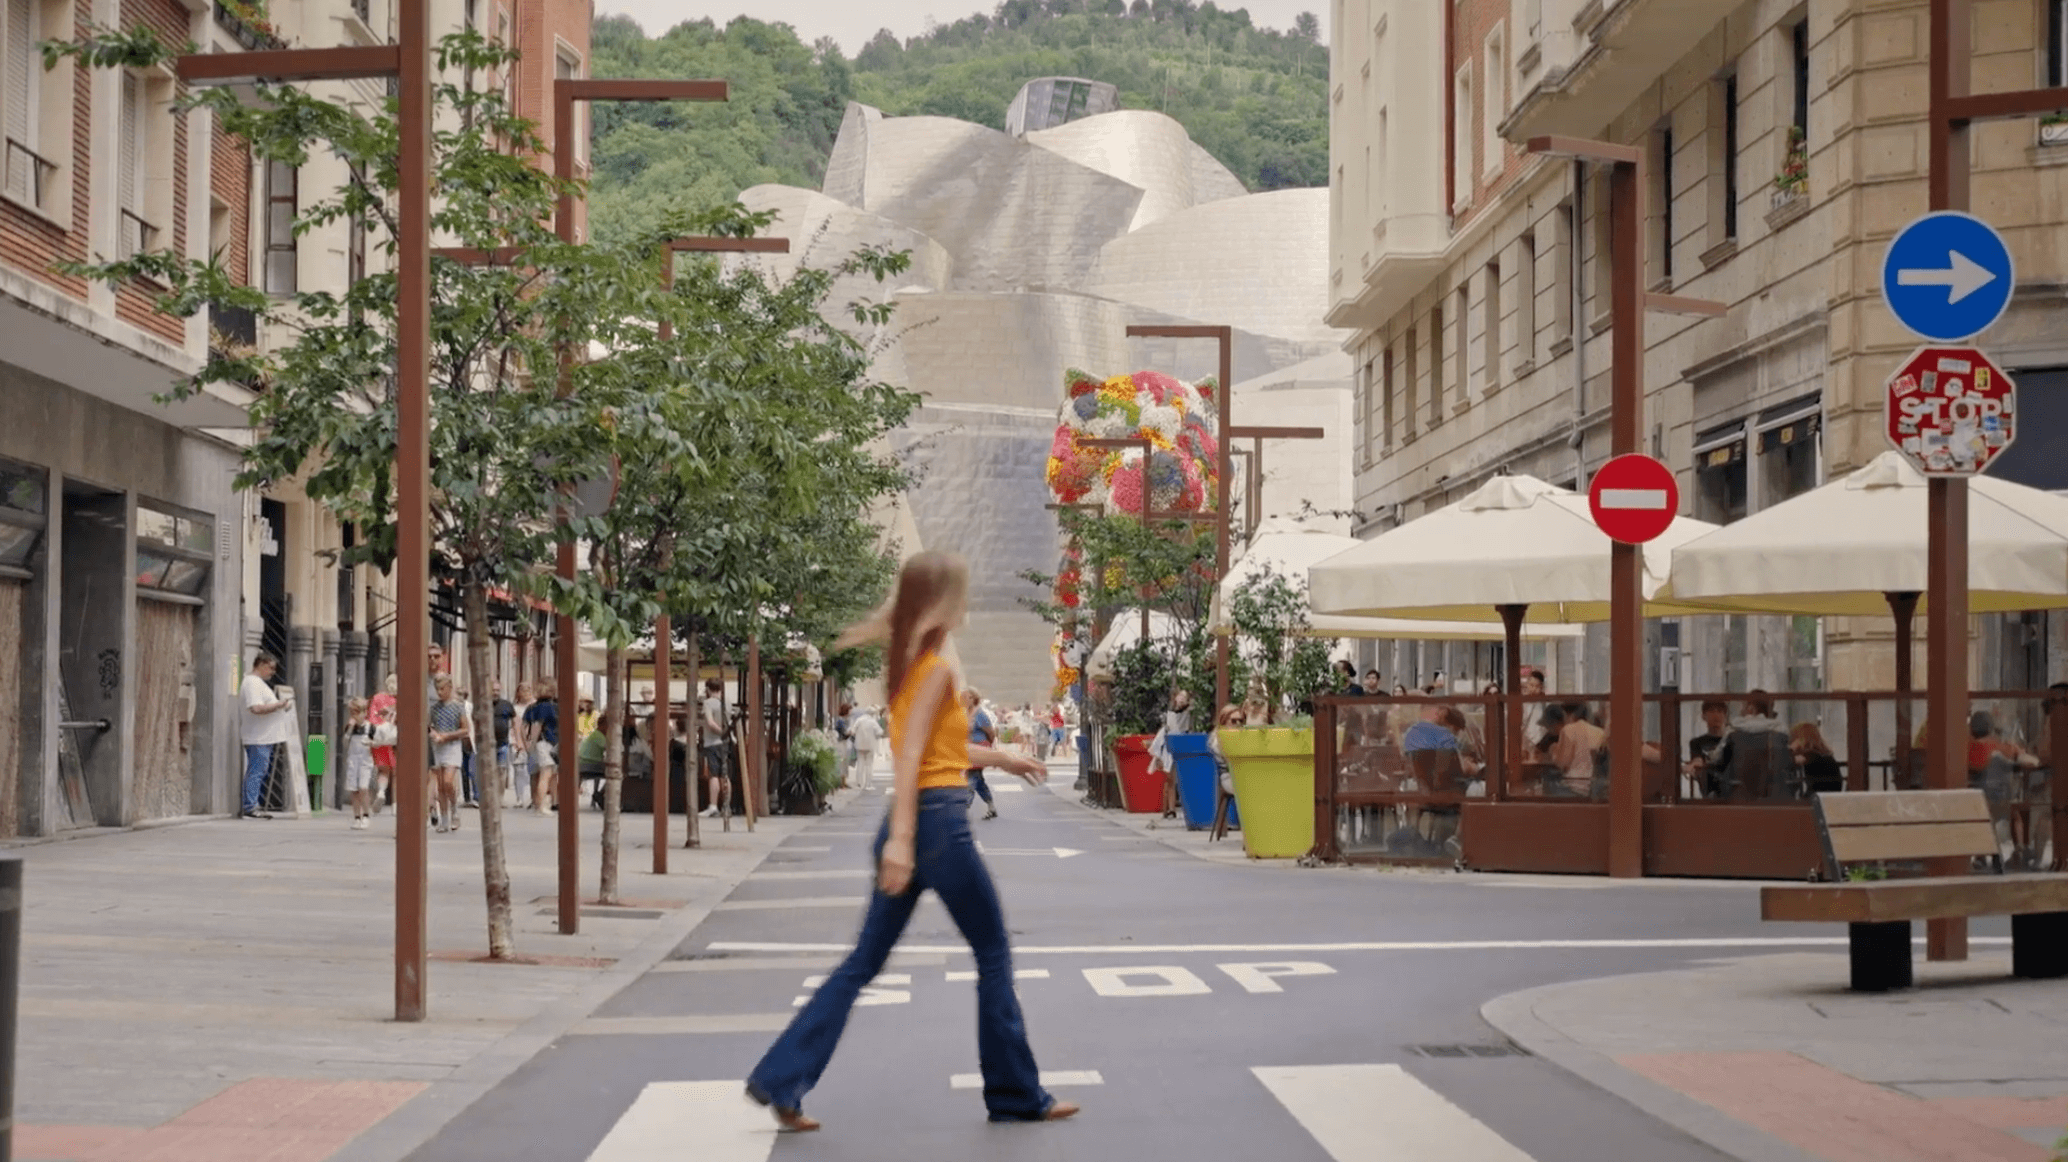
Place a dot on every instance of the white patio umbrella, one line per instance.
(1125, 632)
(1516, 550)
(1290, 549)
(1856, 547)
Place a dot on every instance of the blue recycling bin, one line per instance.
(1197, 777)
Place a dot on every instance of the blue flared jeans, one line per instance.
(947, 863)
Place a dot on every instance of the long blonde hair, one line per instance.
(929, 595)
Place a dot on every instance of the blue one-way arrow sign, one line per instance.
(1947, 276)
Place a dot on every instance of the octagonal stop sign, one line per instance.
(1951, 410)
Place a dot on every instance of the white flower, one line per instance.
(1100, 493)
(1163, 419)
(1111, 425)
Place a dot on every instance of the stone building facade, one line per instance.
(1785, 145)
(1033, 253)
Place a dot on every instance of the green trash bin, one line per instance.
(316, 760)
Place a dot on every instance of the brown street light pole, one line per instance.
(409, 61)
(663, 631)
(1225, 466)
(1256, 436)
(1952, 108)
(566, 92)
(1627, 302)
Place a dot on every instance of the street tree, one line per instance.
(503, 440)
(746, 467)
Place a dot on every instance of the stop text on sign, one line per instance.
(1950, 410)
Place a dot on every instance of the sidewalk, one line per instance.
(224, 989)
(1771, 1059)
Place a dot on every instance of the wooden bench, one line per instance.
(1905, 826)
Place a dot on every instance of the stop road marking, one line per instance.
(1257, 977)
(1173, 981)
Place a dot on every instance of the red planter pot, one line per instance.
(1140, 788)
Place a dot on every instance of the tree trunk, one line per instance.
(488, 777)
(613, 769)
(693, 778)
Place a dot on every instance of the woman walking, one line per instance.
(924, 843)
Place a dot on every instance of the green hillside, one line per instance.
(1255, 98)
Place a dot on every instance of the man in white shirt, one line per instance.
(712, 728)
(866, 734)
(266, 724)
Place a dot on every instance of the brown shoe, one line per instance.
(1057, 1111)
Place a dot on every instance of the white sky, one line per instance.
(852, 24)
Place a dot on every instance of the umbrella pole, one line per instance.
(1511, 686)
(1903, 607)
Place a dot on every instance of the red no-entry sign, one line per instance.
(1634, 498)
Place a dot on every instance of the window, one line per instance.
(1410, 387)
(2056, 44)
(1436, 335)
(22, 516)
(1720, 478)
(281, 210)
(1664, 246)
(1526, 299)
(1386, 398)
(1368, 410)
(1603, 254)
(134, 232)
(1490, 330)
(1385, 201)
(1724, 211)
(1494, 104)
(24, 173)
(1460, 355)
(172, 552)
(566, 67)
(1461, 141)
(1567, 262)
(1799, 48)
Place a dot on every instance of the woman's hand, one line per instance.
(1029, 768)
(894, 866)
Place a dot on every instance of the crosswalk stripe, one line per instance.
(711, 1121)
(847, 873)
(1050, 1079)
(1374, 1113)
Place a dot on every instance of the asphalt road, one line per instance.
(1197, 1011)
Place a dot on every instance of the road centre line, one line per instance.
(1347, 946)
(959, 976)
(695, 1023)
(855, 873)
(810, 962)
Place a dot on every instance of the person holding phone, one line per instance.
(923, 844)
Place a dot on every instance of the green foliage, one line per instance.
(1141, 688)
(1254, 98)
(812, 755)
(1269, 613)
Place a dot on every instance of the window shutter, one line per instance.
(21, 72)
(130, 157)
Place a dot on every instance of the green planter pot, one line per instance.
(1274, 789)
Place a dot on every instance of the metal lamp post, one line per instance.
(409, 61)
(1628, 302)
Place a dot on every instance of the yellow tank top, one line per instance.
(946, 754)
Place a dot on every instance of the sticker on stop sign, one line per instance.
(1634, 498)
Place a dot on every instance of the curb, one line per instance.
(401, 1133)
(1515, 1016)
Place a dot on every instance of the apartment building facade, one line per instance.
(1785, 144)
(135, 578)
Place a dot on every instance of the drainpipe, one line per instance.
(1577, 438)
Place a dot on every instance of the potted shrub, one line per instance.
(1793, 180)
(811, 774)
(1141, 682)
(1273, 761)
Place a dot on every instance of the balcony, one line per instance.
(28, 175)
(232, 328)
(249, 26)
(133, 236)
(1620, 47)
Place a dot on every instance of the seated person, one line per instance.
(1573, 750)
(1818, 769)
(1701, 749)
(1754, 762)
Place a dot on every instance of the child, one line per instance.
(359, 763)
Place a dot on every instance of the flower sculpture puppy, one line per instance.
(1177, 418)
